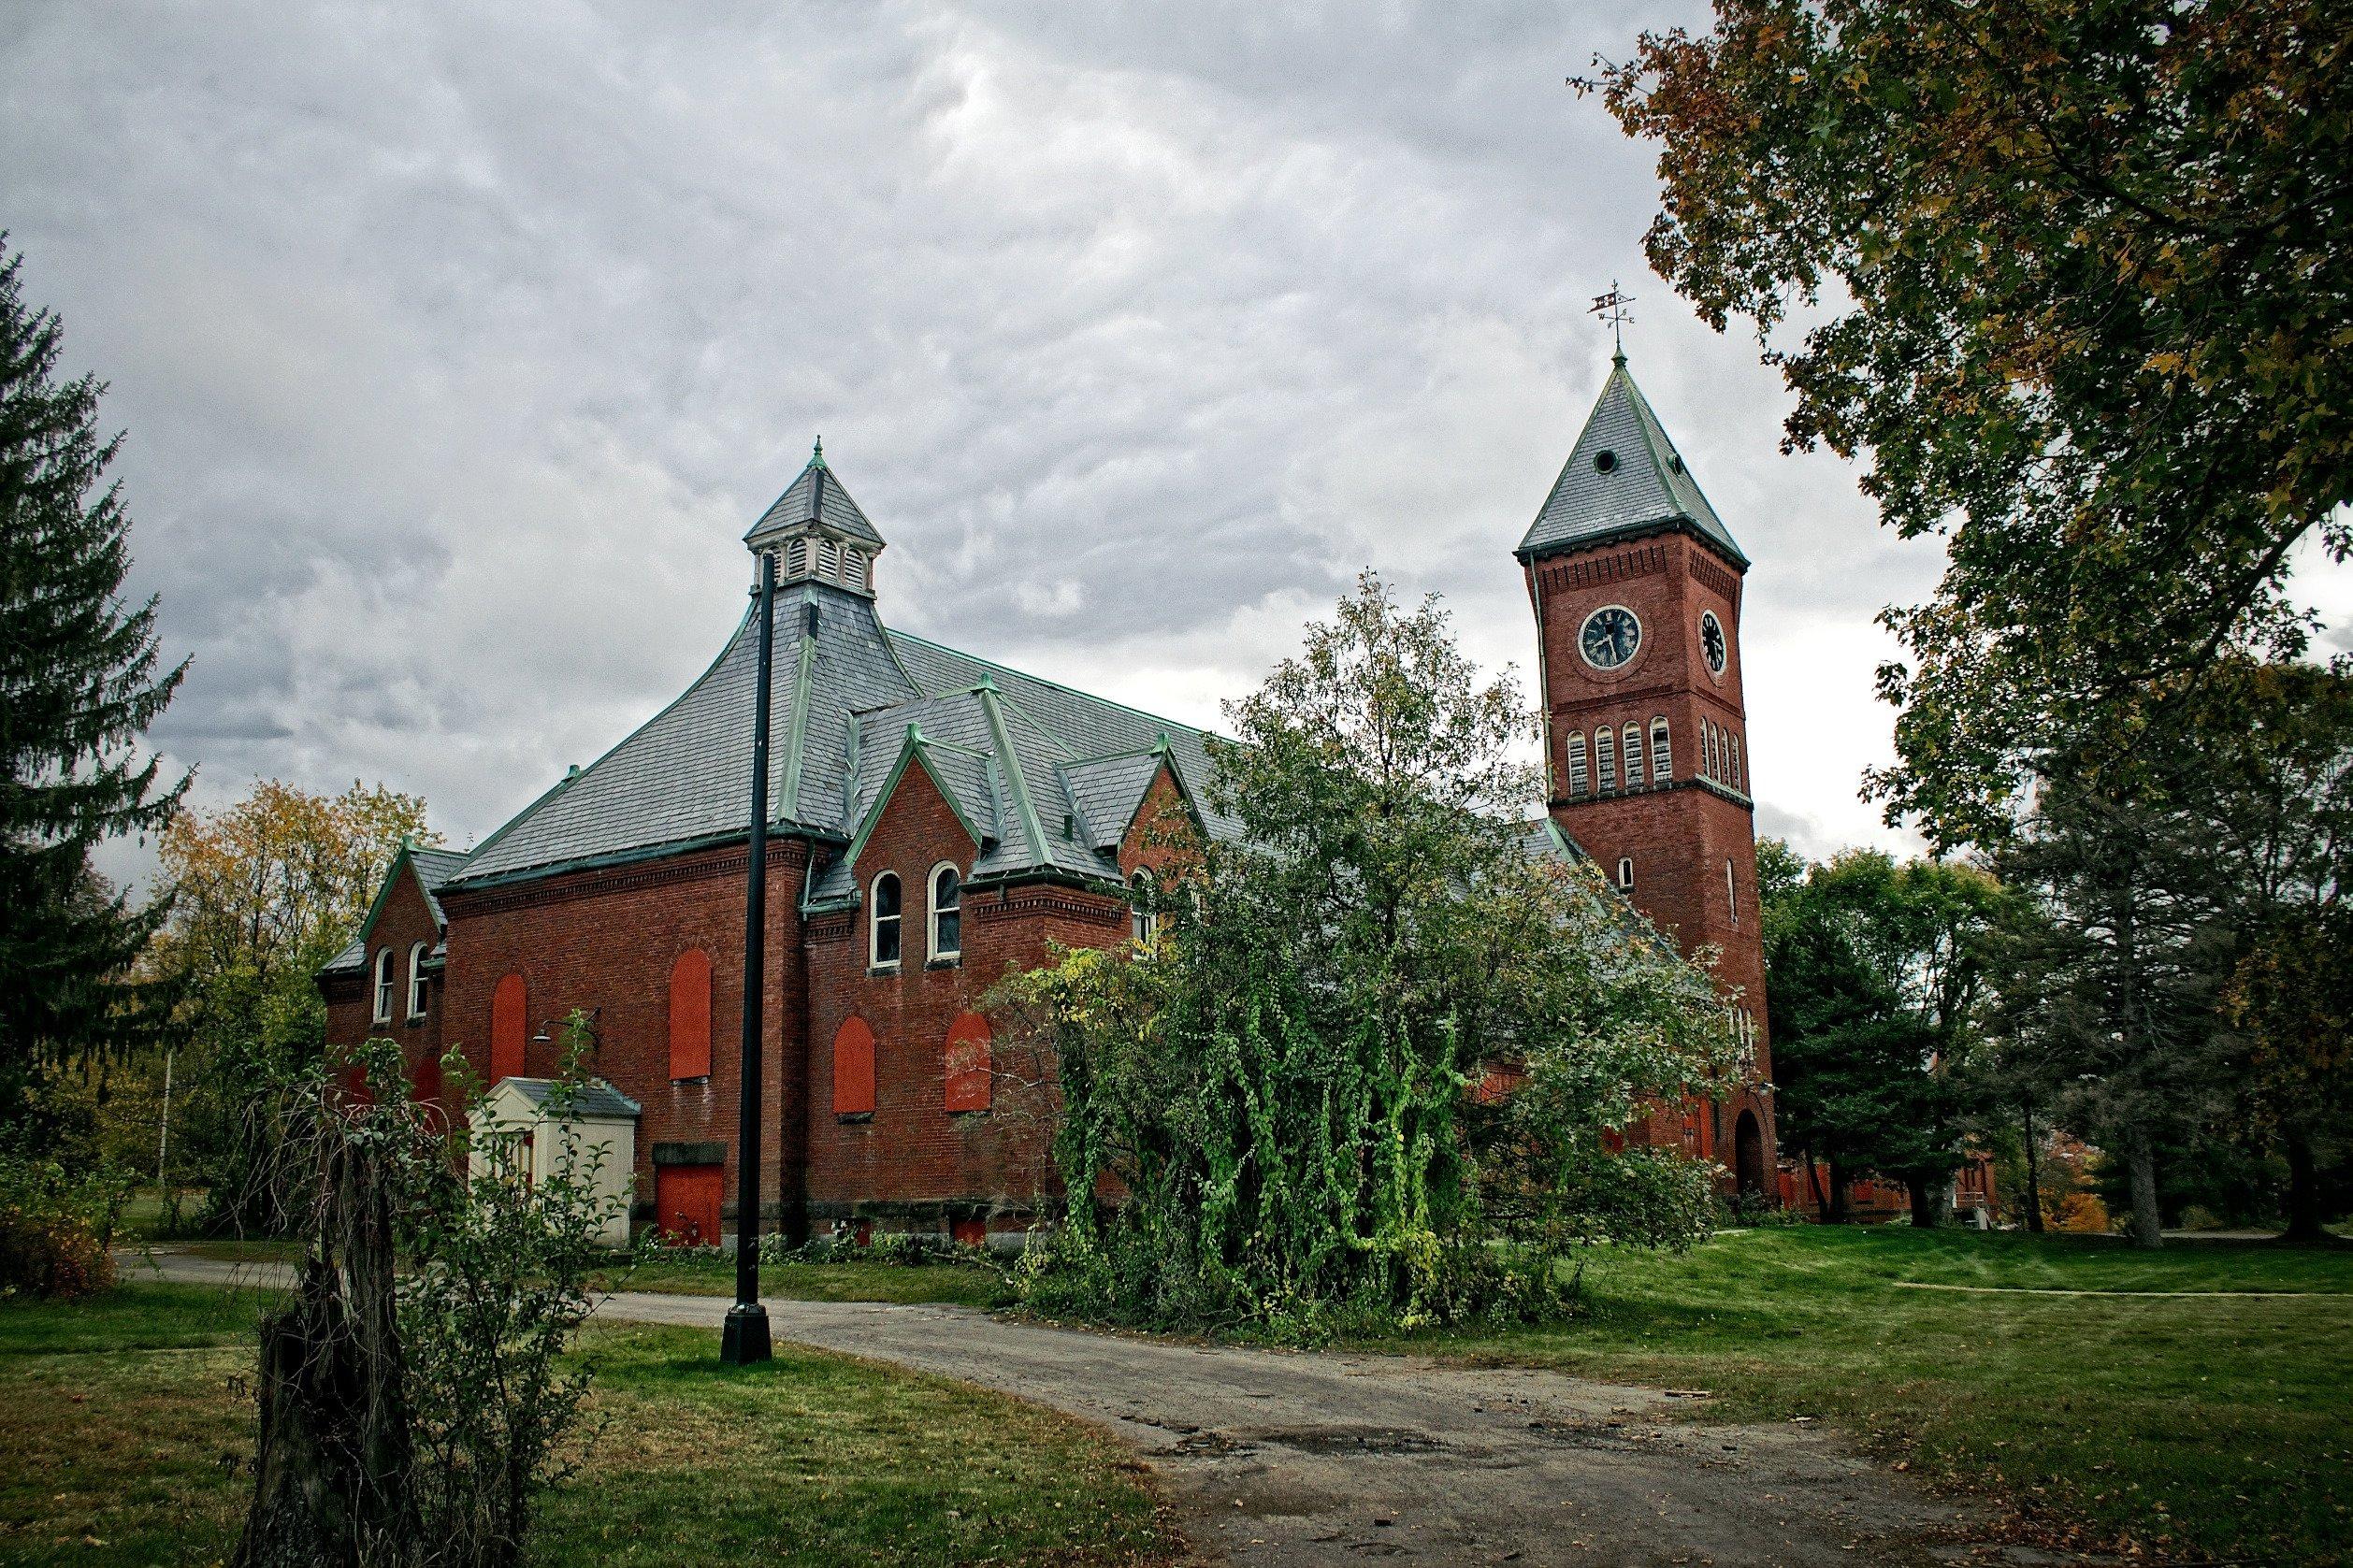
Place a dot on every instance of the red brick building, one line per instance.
(1636, 585)
(937, 818)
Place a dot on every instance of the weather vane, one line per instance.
(1611, 307)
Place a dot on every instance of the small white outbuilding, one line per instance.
(602, 1120)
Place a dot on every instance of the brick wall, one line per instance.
(608, 941)
(403, 920)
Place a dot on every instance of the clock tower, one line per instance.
(1636, 584)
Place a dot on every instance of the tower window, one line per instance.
(1633, 755)
(828, 558)
(1605, 762)
(1142, 920)
(796, 557)
(1662, 754)
(1732, 755)
(947, 914)
(1580, 779)
(1731, 892)
(854, 568)
(1708, 745)
(882, 943)
(416, 980)
(1625, 872)
(383, 985)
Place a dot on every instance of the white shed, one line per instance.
(602, 1119)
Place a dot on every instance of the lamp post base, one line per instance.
(744, 1341)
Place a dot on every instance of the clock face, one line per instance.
(1610, 635)
(1711, 644)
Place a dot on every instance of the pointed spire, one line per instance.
(817, 453)
(1623, 476)
(817, 532)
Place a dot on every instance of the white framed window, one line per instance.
(854, 568)
(416, 980)
(1634, 766)
(383, 985)
(1143, 921)
(796, 557)
(947, 912)
(1605, 762)
(1731, 892)
(1579, 776)
(1714, 761)
(1626, 873)
(883, 921)
(1732, 755)
(829, 559)
(1662, 752)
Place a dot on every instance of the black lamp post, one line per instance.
(745, 1338)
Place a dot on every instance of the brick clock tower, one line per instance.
(1635, 583)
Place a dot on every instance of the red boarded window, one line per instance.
(507, 1028)
(853, 1069)
(968, 1063)
(687, 1203)
(690, 1015)
(971, 1231)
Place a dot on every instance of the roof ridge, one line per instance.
(1043, 680)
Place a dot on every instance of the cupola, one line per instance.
(817, 534)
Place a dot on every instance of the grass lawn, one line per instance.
(2221, 1425)
(121, 1433)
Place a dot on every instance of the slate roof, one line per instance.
(595, 1097)
(1646, 486)
(1048, 777)
(814, 496)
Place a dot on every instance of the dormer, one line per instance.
(817, 534)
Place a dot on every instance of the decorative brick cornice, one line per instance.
(1065, 901)
(1711, 574)
(828, 928)
(701, 865)
(1592, 570)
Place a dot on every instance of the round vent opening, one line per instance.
(1605, 460)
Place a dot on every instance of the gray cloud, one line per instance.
(458, 349)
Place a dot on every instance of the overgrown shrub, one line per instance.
(411, 1414)
(1371, 1067)
(55, 1226)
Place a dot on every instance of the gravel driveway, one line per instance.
(1317, 1457)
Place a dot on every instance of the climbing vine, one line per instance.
(1372, 1069)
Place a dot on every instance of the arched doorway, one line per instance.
(1747, 1144)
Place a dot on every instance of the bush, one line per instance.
(55, 1228)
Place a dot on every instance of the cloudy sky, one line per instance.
(458, 345)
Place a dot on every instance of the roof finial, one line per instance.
(1611, 307)
(817, 454)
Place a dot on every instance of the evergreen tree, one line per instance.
(77, 687)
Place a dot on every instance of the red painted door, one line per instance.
(687, 1203)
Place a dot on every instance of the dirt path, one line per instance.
(1319, 1458)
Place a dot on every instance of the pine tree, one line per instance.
(77, 687)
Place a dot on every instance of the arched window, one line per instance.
(854, 568)
(1732, 755)
(1580, 781)
(1731, 892)
(969, 1061)
(1634, 766)
(508, 1026)
(1661, 753)
(829, 559)
(1708, 740)
(947, 914)
(1605, 762)
(416, 980)
(1626, 873)
(1143, 921)
(796, 557)
(881, 924)
(690, 1016)
(383, 985)
(853, 1069)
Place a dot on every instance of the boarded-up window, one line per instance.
(687, 1203)
(690, 1015)
(853, 1069)
(969, 1060)
(507, 1028)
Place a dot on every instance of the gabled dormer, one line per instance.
(818, 533)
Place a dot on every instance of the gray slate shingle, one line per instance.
(1647, 487)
